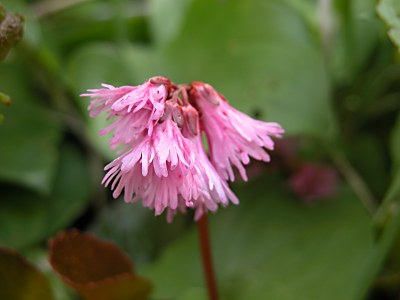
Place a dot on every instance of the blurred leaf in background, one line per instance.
(27, 218)
(6, 101)
(389, 11)
(20, 280)
(252, 61)
(273, 247)
(11, 31)
(31, 131)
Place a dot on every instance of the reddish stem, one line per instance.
(207, 258)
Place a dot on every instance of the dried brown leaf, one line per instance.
(97, 269)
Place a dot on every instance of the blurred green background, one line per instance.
(328, 71)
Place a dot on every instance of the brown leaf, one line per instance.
(123, 287)
(97, 269)
(20, 280)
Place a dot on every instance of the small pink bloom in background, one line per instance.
(233, 136)
(312, 182)
(157, 130)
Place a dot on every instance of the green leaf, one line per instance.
(20, 280)
(355, 37)
(389, 11)
(28, 148)
(92, 21)
(93, 64)
(395, 144)
(273, 247)
(26, 218)
(367, 155)
(261, 55)
(29, 132)
(387, 229)
(164, 29)
(88, 68)
(30, 135)
(71, 189)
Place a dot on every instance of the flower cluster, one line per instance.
(157, 130)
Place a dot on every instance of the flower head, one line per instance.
(162, 161)
(233, 136)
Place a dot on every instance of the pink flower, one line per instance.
(136, 109)
(168, 171)
(233, 137)
(312, 182)
(214, 189)
(163, 162)
(157, 168)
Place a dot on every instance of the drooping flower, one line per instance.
(233, 137)
(169, 171)
(162, 159)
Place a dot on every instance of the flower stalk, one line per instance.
(206, 256)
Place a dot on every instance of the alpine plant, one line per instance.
(157, 132)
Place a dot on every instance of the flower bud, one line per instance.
(11, 30)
